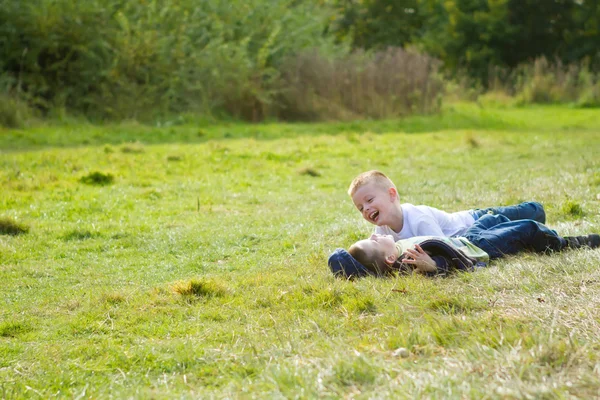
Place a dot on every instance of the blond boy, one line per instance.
(376, 198)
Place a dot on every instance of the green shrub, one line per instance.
(132, 59)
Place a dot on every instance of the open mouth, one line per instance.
(374, 215)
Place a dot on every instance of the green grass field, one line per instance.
(189, 261)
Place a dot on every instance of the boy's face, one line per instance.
(379, 248)
(375, 203)
(384, 244)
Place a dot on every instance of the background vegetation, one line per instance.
(190, 261)
(151, 60)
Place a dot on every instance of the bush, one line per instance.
(132, 59)
(383, 84)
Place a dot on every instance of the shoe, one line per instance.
(575, 242)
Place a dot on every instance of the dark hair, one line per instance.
(370, 261)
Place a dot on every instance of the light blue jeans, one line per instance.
(528, 210)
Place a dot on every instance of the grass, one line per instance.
(200, 271)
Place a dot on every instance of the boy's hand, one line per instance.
(421, 260)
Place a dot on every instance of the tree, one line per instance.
(376, 24)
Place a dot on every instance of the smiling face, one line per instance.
(376, 203)
(377, 253)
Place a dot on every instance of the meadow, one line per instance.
(189, 260)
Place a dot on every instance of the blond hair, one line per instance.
(374, 176)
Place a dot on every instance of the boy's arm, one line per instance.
(422, 261)
(425, 263)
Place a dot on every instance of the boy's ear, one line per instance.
(390, 259)
(393, 194)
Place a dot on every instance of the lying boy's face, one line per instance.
(377, 249)
(374, 203)
(383, 244)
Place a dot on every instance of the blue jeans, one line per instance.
(528, 210)
(498, 236)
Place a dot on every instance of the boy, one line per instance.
(490, 237)
(376, 197)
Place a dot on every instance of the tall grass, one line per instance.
(14, 112)
(384, 84)
(545, 81)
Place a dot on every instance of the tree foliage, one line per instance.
(118, 58)
(477, 34)
(140, 58)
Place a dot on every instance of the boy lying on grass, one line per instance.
(377, 199)
(490, 237)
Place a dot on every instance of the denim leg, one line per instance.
(499, 236)
(528, 210)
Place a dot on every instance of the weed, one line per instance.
(134, 148)
(9, 226)
(113, 298)
(572, 208)
(14, 329)
(361, 305)
(309, 171)
(472, 141)
(80, 235)
(97, 178)
(199, 288)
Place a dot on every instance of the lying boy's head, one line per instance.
(374, 195)
(378, 253)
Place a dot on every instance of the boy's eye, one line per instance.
(370, 200)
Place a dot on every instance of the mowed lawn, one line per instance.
(189, 260)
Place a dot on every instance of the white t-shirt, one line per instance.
(429, 221)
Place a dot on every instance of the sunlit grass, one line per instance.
(200, 270)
